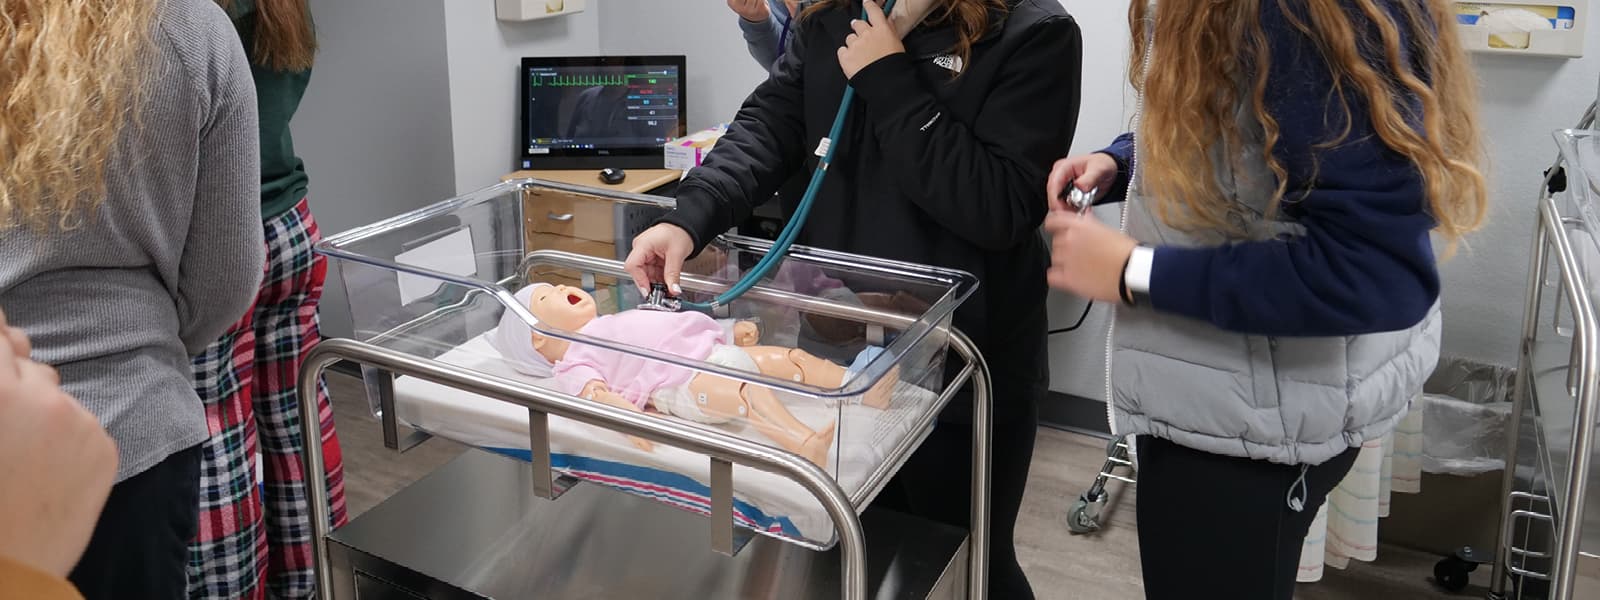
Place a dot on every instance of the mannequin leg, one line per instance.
(729, 398)
(798, 365)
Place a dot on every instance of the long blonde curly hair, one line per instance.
(71, 72)
(1205, 49)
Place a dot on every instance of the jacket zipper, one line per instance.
(1133, 181)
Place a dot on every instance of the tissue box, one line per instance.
(686, 153)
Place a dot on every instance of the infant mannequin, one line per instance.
(635, 383)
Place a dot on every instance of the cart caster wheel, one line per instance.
(1452, 573)
(1078, 520)
(1084, 516)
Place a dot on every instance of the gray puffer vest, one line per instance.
(1290, 400)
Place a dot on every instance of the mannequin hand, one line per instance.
(55, 459)
(598, 391)
(746, 333)
(658, 256)
(754, 11)
(873, 40)
(592, 389)
(1089, 171)
(1086, 257)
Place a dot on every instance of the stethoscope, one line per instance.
(783, 35)
(658, 298)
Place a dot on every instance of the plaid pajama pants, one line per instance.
(255, 541)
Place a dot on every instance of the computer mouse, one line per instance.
(613, 176)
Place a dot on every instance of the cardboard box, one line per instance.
(686, 153)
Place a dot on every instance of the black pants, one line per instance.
(1220, 526)
(934, 485)
(141, 542)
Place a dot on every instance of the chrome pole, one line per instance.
(1523, 379)
(1563, 575)
(316, 479)
(715, 444)
(982, 445)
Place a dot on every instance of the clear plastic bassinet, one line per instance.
(435, 283)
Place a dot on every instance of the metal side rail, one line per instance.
(1583, 379)
(721, 449)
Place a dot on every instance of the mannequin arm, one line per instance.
(596, 390)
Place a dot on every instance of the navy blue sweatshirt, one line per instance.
(1365, 264)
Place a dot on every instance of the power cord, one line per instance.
(1086, 306)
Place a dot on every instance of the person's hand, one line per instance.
(1088, 171)
(658, 255)
(56, 464)
(1086, 257)
(746, 334)
(874, 39)
(754, 11)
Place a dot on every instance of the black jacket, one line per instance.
(932, 169)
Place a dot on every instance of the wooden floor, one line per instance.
(1060, 565)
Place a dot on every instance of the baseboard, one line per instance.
(1076, 414)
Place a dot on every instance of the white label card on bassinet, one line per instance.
(453, 254)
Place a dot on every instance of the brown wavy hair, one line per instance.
(284, 37)
(969, 17)
(1190, 97)
(71, 74)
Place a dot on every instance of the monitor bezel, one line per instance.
(595, 158)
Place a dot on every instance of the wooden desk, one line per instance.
(639, 181)
(582, 224)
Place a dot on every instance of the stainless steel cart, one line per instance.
(1547, 521)
(485, 526)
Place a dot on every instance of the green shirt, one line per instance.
(278, 93)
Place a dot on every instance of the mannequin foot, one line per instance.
(816, 447)
(882, 393)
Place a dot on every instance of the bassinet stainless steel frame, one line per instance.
(721, 450)
(1545, 525)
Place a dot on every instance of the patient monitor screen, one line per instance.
(602, 107)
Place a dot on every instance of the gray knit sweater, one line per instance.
(172, 259)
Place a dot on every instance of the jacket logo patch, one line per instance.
(950, 62)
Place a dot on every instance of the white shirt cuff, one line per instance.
(1140, 262)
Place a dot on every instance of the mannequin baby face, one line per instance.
(562, 307)
(559, 307)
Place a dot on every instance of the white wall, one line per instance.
(1524, 100)
(721, 72)
(1077, 359)
(374, 126)
(483, 55)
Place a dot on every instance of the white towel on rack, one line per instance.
(1346, 527)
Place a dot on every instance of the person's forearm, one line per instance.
(763, 146)
(761, 38)
(1122, 151)
(1352, 276)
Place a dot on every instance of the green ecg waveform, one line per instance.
(582, 80)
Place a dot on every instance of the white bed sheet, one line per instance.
(865, 438)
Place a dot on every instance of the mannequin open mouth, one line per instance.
(574, 299)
